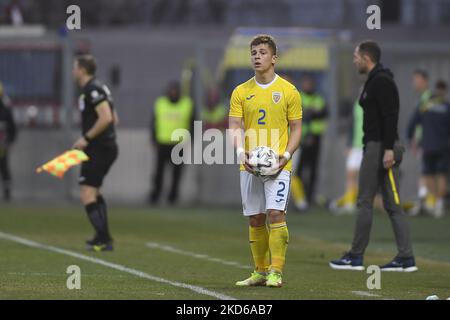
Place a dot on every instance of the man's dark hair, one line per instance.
(87, 62)
(441, 85)
(371, 49)
(264, 39)
(174, 84)
(422, 73)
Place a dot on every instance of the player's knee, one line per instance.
(276, 216)
(88, 195)
(257, 220)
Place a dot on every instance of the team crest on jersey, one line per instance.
(276, 97)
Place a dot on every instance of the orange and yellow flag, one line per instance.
(59, 165)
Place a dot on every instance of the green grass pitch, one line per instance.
(207, 248)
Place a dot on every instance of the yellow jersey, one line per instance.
(266, 110)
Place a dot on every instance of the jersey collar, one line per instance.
(266, 85)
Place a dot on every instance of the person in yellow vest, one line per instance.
(214, 114)
(314, 125)
(170, 112)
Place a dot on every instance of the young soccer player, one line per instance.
(270, 107)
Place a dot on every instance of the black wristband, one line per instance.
(87, 138)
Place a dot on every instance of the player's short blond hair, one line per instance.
(264, 39)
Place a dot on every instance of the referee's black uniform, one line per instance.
(102, 152)
(380, 102)
(7, 137)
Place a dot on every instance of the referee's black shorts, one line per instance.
(101, 158)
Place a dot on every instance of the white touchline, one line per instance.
(365, 294)
(155, 245)
(115, 266)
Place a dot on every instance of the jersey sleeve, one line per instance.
(236, 107)
(294, 108)
(96, 95)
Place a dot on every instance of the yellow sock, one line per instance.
(259, 243)
(353, 195)
(349, 197)
(298, 192)
(278, 242)
(430, 200)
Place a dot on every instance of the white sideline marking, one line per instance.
(119, 267)
(365, 294)
(155, 245)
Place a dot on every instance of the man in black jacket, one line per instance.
(380, 165)
(7, 137)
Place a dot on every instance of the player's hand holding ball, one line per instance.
(265, 162)
(243, 158)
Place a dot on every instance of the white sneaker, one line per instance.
(301, 205)
(415, 211)
(438, 211)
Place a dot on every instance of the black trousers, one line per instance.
(164, 159)
(308, 164)
(4, 169)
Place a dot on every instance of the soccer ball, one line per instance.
(263, 160)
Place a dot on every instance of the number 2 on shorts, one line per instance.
(280, 191)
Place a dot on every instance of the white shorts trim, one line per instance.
(354, 159)
(258, 195)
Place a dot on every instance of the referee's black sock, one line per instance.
(96, 219)
(104, 213)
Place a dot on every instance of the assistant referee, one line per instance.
(98, 141)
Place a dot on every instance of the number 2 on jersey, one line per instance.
(262, 117)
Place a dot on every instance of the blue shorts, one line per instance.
(435, 162)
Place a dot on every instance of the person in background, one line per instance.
(434, 117)
(347, 203)
(8, 134)
(99, 141)
(214, 114)
(171, 111)
(420, 84)
(314, 114)
(380, 164)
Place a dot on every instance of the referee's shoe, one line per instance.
(98, 245)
